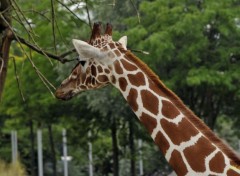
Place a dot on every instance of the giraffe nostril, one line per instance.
(58, 93)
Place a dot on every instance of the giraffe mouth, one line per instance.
(64, 96)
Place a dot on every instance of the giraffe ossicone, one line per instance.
(189, 146)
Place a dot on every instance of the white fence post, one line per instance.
(14, 145)
(140, 157)
(40, 155)
(65, 161)
(90, 154)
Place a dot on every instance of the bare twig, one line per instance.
(42, 52)
(71, 11)
(139, 51)
(88, 15)
(17, 79)
(35, 46)
(53, 25)
(67, 53)
(28, 57)
(40, 75)
(138, 14)
(60, 33)
(41, 13)
(19, 20)
(20, 11)
(46, 80)
(28, 31)
(4, 11)
(2, 64)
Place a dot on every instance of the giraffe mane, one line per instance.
(199, 124)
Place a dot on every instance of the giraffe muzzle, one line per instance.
(64, 96)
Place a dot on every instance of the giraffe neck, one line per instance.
(189, 150)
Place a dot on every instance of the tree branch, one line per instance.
(138, 14)
(45, 53)
(18, 80)
(88, 15)
(72, 12)
(53, 25)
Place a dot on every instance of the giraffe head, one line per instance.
(95, 63)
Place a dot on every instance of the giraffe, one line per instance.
(189, 146)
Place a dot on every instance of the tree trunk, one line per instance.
(115, 148)
(53, 156)
(6, 37)
(132, 148)
(33, 165)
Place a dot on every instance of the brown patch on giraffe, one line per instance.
(83, 77)
(93, 81)
(118, 67)
(117, 44)
(149, 122)
(117, 53)
(88, 81)
(94, 70)
(178, 164)
(106, 71)
(132, 99)
(111, 55)
(105, 48)
(156, 89)
(88, 70)
(162, 142)
(217, 163)
(197, 153)
(169, 110)
(128, 66)
(102, 78)
(178, 133)
(122, 83)
(99, 68)
(150, 101)
(232, 172)
(137, 79)
(78, 80)
(83, 87)
(75, 72)
(112, 46)
(113, 79)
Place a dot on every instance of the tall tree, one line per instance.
(6, 37)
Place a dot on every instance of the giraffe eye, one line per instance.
(82, 63)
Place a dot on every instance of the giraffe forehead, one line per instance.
(101, 41)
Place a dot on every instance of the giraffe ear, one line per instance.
(123, 41)
(85, 50)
